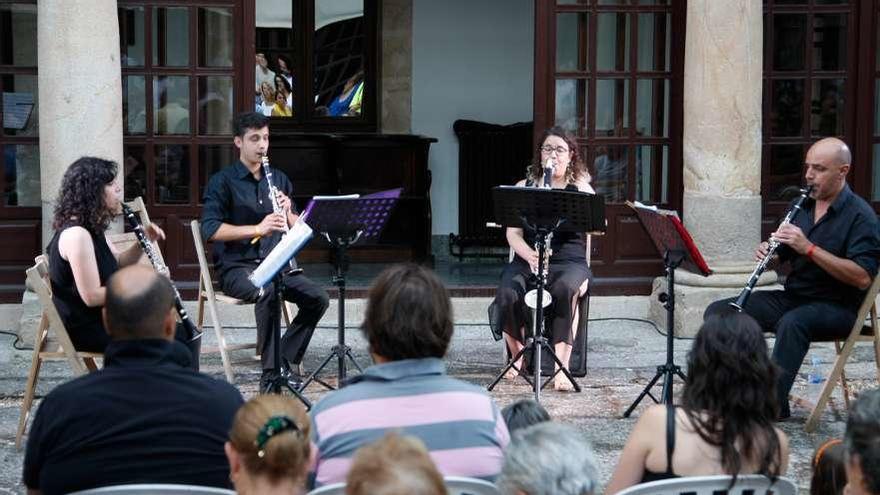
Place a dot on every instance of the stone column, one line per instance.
(722, 153)
(80, 89)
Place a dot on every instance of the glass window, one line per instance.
(171, 36)
(787, 107)
(568, 42)
(652, 107)
(20, 105)
(651, 170)
(610, 164)
(216, 34)
(612, 46)
(212, 158)
(171, 105)
(875, 190)
(21, 163)
(339, 58)
(612, 107)
(134, 100)
(789, 35)
(274, 67)
(18, 34)
(134, 169)
(829, 41)
(786, 171)
(172, 173)
(653, 55)
(215, 105)
(132, 47)
(566, 104)
(827, 107)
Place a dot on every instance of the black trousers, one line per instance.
(796, 321)
(311, 299)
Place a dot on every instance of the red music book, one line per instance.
(666, 230)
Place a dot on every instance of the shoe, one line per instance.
(268, 383)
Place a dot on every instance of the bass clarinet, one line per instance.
(773, 245)
(191, 331)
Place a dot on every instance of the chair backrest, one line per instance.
(155, 488)
(125, 240)
(205, 278)
(749, 484)
(331, 489)
(461, 485)
(38, 280)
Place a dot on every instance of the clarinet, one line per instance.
(191, 331)
(276, 206)
(774, 244)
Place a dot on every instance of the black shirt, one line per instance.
(235, 197)
(849, 229)
(143, 418)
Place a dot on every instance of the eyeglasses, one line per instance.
(550, 149)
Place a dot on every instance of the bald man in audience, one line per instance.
(833, 245)
(146, 417)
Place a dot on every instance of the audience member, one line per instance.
(262, 71)
(408, 326)
(725, 423)
(862, 443)
(283, 106)
(548, 459)
(523, 413)
(829, 469)
(145, 417)
(267, 102)
(394, 465)
(268, 447)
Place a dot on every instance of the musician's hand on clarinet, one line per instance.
(283, 200)
(272, 222)
(761, 251)
(532, 260)
(154, 233)
(791, 235)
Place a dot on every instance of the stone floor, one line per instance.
(622, 357)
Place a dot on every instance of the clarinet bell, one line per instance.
(531, 299)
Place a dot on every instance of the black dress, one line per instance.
(83, 323)
(567, 272)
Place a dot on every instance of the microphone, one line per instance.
(549, 165)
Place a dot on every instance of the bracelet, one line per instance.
(810, 251)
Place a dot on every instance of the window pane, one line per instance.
(653, 2)
(567, 43)
(652, 107)
(610, 165)
(612, 107)
(22, 168)
(789, 33)
(20, 105)
(877, 107)
(172, 173)
(654, 41)
(786, 171)
(829, 42)
(828, 107)
(215, 105)
(274, 50)
(171, 36)
(132, 48)
(651, 170)
(612, 43)
(134, 100)
(787, 107)
(171, 105)
(211, 159)
(135, 170)
(18, 42)
(566, 104)
(339, 57)
(215, 37)
(875, 190)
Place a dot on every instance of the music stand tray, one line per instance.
(343, 221)
(677, 247)
(545, 211)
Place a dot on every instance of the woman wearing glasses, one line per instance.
(568, 272)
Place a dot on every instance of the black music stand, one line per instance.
(545, 211)
(677, 247)
(270, 270)
(343, 221)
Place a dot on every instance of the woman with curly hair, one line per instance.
(725, 423)
(80, 258)
(568, 270)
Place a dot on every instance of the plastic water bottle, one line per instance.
(815, 379)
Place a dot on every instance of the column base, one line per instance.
(693, 293)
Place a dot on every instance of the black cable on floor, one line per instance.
(15, 343)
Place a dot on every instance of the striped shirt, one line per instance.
(459, 423)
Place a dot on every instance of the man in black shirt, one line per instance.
(833, 246)
(239, 218)
(146, 417)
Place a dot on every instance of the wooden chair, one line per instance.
(207, 294)
(746, 484)
(863, 330)
(125, 240)
(155, 489)
(80, 362)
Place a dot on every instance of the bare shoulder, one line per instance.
(74, 239)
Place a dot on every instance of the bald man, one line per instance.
(146, 417)
(833, 246)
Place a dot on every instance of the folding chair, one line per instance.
(125, 240)
(155, 489)
(212, 297)
(746, 484)
(863, 330)
(80, 362)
